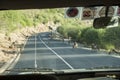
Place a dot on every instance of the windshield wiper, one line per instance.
(105, 67)
(35, 70)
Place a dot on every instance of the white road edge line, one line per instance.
(56, 54)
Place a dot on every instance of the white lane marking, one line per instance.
(57, 54)
(35, 64)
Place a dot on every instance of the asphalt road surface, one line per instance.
(43, 52)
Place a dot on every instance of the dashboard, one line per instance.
(66, 76)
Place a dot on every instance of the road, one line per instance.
(43, 52)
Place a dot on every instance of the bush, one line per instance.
(112, 36)
(70, 29)
(90, 36)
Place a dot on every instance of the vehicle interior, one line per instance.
(90, 74)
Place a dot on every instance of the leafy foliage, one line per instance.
(11, 20)
(104, 38)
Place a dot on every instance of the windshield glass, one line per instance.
(48, 40)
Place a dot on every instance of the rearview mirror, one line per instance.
(106, 22)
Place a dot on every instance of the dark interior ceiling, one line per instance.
(37, 4)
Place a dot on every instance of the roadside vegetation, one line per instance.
(104, 38)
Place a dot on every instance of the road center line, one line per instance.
(56, 54)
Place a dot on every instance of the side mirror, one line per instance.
(106, 22)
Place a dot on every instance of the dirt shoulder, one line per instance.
(12, 44)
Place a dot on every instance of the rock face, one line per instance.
(12, 44)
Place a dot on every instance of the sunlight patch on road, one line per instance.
(34, 43)
(85, 48)
(31, 39)
(54, 42)
(43, 35)
(74, 56)
(83, 55)
(45, 38)
(116, 56)
(61, 47)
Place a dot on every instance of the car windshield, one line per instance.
(51, 40)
